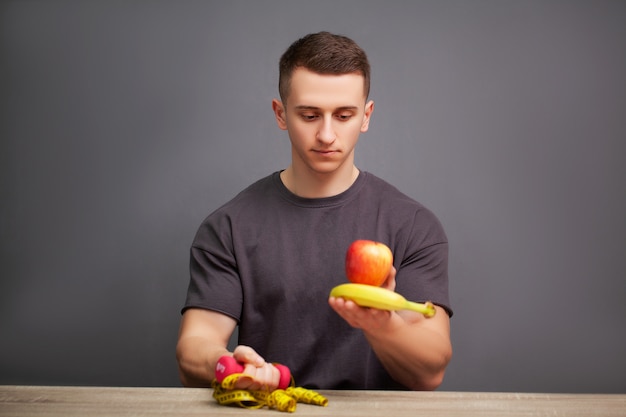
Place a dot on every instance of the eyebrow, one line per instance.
(303, 107)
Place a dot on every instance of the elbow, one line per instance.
(182, 375)
(185, 372)
(431, 380)
(190, 382)
(425, 381)
(183, 379)
(430, 383)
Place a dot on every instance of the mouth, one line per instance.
(325, 152)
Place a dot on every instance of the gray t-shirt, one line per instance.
(269, 259)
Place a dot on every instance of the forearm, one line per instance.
(414, 352)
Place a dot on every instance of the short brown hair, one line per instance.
(323, 53)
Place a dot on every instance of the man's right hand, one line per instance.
(203, 339)
(259, 373)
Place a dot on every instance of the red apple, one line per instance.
(368, 262)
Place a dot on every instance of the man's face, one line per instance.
(324, 115)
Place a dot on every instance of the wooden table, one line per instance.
(34, 401)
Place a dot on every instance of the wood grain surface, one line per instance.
(49, 401)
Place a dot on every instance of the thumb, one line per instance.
(245, 354)
(390, 282)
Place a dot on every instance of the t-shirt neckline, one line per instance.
(334, 200)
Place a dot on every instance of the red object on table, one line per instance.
(227, 365)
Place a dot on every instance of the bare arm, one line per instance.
(203, 339)
(414, 350)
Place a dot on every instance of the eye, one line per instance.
(308, 117)
(344, 117)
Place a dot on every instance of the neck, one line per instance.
(318, 185)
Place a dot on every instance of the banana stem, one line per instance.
(427, 308)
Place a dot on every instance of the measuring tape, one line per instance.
(279, 399)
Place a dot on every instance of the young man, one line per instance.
(267, 260)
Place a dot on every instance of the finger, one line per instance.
(245, 382)
(247, 355)
(363, 317)
(390, 282)
(265, 377)
(336, 303)
(268, 376)
(248, 379)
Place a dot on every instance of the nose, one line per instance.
(326, 133)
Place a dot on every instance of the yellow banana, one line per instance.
(381, 298)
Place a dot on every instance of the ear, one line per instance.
(369, 109)
(279, 113)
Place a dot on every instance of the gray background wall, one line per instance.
(124, 123)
